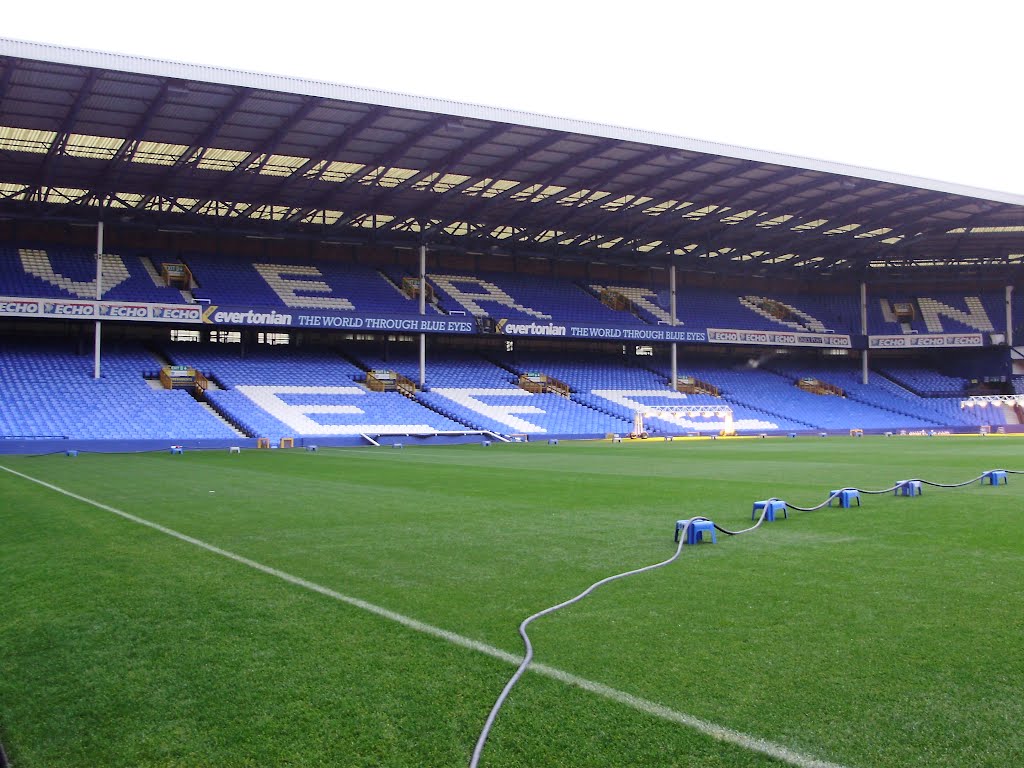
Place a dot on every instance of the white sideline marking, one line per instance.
(705, 727)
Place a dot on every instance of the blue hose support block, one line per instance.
(553, 441)
(844, 496)
(486, 443)
(177, 449)
(993, 477)
(71, 452)
(695, 530)
(907, 488)
(771, 507)
(312, 449)
(396, 445)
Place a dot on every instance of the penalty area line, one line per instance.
(721, 733)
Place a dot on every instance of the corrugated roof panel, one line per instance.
(155, 153)
(26, 140)
(13, 191)
(213, 159)
(873, 233)
(372, 220)
(280, 165)
(388, 178)
(808, 225)
(842, 230)
(61, 195)
(97, 147)
(322, 217)
(536, 193)
(441, 183)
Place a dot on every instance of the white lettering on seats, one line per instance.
(483, 291)
(287, 288)
(295, 416)
(37, 263)
(791, 317)
(975, 316)
(503, 414)
(641, 297)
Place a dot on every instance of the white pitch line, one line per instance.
(738, 738)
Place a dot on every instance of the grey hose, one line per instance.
(478, 750)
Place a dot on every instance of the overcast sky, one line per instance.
(931, 89)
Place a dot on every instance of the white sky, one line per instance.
(931, 89)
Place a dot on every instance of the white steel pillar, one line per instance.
(423, 311)
(97, 334)
(672, 312)
(864, 331)
(1009, 316)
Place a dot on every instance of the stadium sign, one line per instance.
(336, 320)
(779, 338)
(508, 327)
(64, 309)
(926, 340)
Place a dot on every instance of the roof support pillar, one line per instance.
(423, 311)
(864, 331)
(1009, 316)
(98, 332)
(674, 383)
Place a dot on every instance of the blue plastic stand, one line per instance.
(177, 449)
(845, 496)
(696, 530)
(71, 452)
(994, 476)
(770, 507)
(553, 441)
(907, 488)
(312, 448)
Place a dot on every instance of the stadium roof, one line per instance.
(86, 135)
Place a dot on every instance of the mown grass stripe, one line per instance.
(721, 733)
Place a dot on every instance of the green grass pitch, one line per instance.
(885, 635)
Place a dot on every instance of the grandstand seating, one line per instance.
(284, 285)
(484, 395)
(525, 298)
(906, 408)
(70, 273)
(923, 381)
(938, 313)
(47, 390)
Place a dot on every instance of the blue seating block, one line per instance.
(770, 507)
(994, 476)
(695, 531)
(907, 488)
(845, 496)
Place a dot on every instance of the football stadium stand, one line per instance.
(47, 391)
(71, 273)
